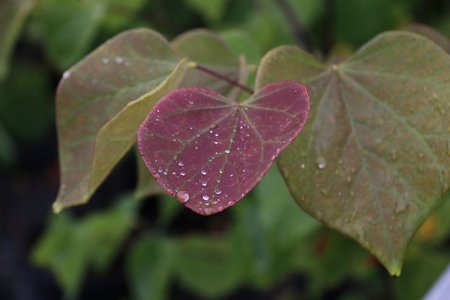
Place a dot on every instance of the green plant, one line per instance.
(372, 161)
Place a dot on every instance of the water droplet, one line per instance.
(321, 163)
(216, 142)
(230, 203)
(66, 74)
(221, 171)
(205, 197)
(227, 151)
(218, 192)
(182, 174)
(119, 60)
(182, 196)
(401, 206)
(180, 163)
(160, 170)
(218, 180)
(203, 172)
(204, 183)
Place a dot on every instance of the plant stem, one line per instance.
(297, 27)
(223, 77)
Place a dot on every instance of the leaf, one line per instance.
(422, 270)
(209, 151)
(268, 229)
(242, 43)
(432, 34)
(149, 266)
(100, 103)
(208, 49)
(146, 186)
(373, 160)
(13, 14)
(33, 104)
(206, 266)
(60, 251)
(212, 11)
(65, 28)
(68, 247)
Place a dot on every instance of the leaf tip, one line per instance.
(57, 207)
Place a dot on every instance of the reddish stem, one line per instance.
(224, 78)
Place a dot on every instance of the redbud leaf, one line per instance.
(209, 151)
(101, 102)
(374, 159)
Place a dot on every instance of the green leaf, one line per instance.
(268, 229)
(102, 100)
(60, 251)
(149, 267)
(68, 247)
(108, 230)
(13, 14)
(207, 48)
(206, 266)
(357, 21)
(373, 160)
(65, 28)
(146, 186)
(422, 270)
(432, 34)
(27, 113)
(242, 43)
(212, 11)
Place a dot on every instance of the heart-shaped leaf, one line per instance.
(100, 103)
(209, 151)
(374, 159)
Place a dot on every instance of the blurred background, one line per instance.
(118, 247)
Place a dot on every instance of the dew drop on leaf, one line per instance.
(321, 163)
(205, 197)
(182, 196)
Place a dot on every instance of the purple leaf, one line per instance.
(209, 151)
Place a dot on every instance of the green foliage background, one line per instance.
(265, 245)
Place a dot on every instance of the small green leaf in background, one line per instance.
(66, 28)
(212, 11)
(268, 228)
(373, 159)
(422, 269)
(70, 246)
(242, 43)
(358, 21)
(206, 265)
(27, 113)
(149, 267)
(101, 102)
(210, 50)
(122, 15)
(13, 14)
